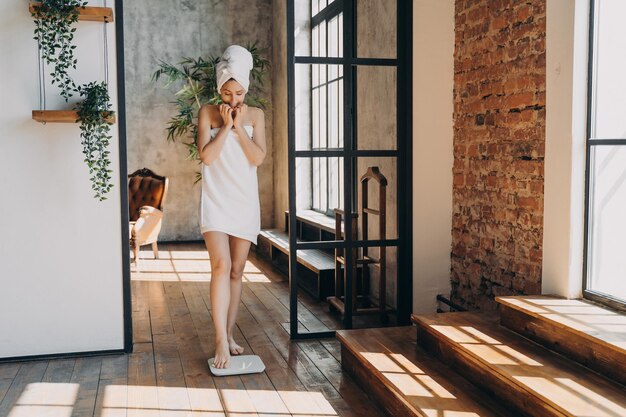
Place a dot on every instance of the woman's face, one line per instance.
(232, 93)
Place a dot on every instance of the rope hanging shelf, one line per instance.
(89, 14)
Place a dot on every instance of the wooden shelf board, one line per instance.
(89, 13)
(59, 116)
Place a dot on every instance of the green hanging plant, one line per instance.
(95, 118)
(54, 34)
(198, 86)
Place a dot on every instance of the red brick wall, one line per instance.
(499, 137)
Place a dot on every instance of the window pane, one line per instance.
(376, 108)
(340, 41)
(316, 185)
(340, 89)
(333, 37)
(606, 266)
(610, 60)
(319, 109)
(303, 102)
(315, 48)
(323, 115)
(302, 28)
(322, 39)
(333, 115)
(321, 186)
(335, 184)
(316, 118)
(381, 16)
(388, 168)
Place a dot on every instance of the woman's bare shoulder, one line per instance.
(211, 112)
(256, 114)
(209, 108)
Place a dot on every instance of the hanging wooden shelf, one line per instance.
(60, 116)
(89, 13)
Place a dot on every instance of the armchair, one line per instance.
(146, 195)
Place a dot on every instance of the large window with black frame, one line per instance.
(605, 231)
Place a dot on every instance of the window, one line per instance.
(605, 246)
(327, 105)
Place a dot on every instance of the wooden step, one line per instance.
(528, 377)
(587, 333)
(405, 380)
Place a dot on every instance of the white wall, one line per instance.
(433, 78)
(60, 249)
(566, 82)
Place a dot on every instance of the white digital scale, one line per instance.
(239, 365)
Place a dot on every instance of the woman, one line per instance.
(231, 142)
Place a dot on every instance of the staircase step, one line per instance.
(522, 374)
(587, 333)
(405, 380)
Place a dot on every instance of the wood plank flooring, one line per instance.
(167, 373)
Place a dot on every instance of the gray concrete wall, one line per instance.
(170, 30)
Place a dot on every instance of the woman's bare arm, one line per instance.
(208, 148)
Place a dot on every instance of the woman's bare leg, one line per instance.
(239, 249)
(219, 254)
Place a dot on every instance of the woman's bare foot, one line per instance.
(222, 355)
(235, 349)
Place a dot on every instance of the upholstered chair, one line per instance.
(146, 195)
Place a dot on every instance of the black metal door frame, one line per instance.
(349, 153)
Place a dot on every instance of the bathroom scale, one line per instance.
(239, 365)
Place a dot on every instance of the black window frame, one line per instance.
(350, 153)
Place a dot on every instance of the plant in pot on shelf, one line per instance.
(197, 85)
(54, 35)
(95, 118)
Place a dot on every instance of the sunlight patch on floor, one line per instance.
(144, 400)
(46, 399)
(183, 266)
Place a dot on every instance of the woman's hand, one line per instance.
(227, 115)
(240, 115)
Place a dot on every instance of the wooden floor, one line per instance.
(167, 374)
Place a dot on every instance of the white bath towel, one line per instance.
(236, 63)
(230, 192)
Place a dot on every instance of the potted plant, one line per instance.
(198, 86)
(95, 118)
(54, 35)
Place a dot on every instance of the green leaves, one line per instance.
(54, 34)
(195, 84)
(94, 114)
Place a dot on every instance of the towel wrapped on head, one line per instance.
(236, 63)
